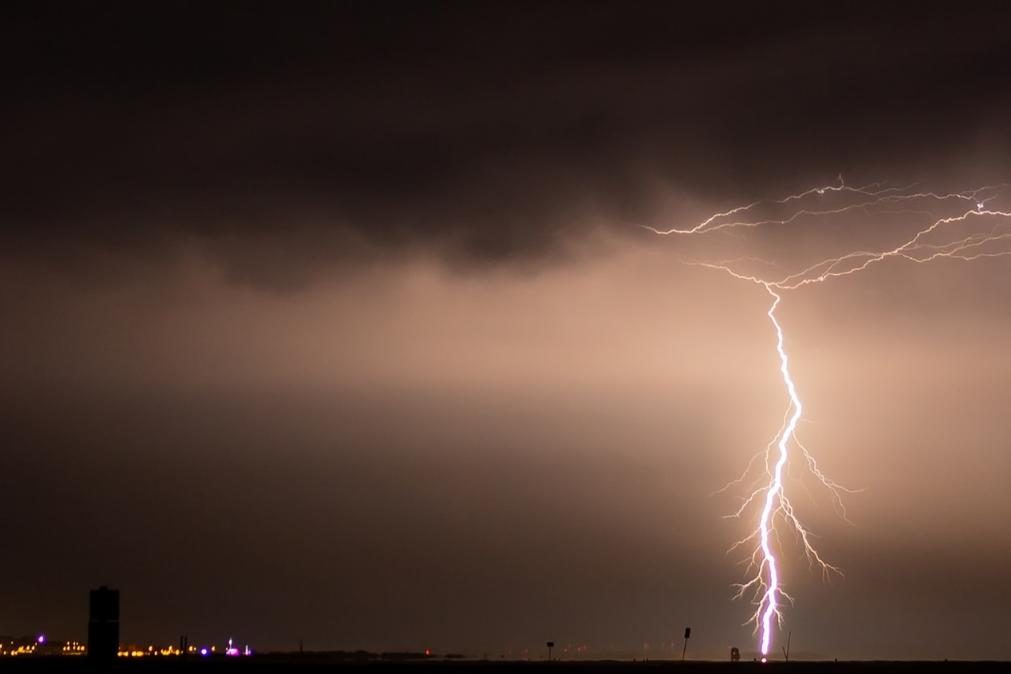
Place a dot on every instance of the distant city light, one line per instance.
(43, 645)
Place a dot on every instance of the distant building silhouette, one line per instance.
(103, 624)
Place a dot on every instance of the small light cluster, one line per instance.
(137, 652)
(168, 651)
(40, 645)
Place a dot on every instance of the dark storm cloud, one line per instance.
(284, 144)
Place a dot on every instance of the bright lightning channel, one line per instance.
(765, 582)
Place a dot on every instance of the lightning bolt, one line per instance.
(764, 582)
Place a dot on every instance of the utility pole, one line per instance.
(688, 633)
(786, 649)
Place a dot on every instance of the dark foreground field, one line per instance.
(266, 664)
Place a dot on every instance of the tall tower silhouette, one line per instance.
(103, 624)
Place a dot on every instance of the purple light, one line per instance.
(203, 651)
(42, 638)
(232, 651)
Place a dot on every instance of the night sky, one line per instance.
(337, 322)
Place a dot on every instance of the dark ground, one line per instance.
(314, 664)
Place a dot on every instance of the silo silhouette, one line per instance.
(103, 624)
